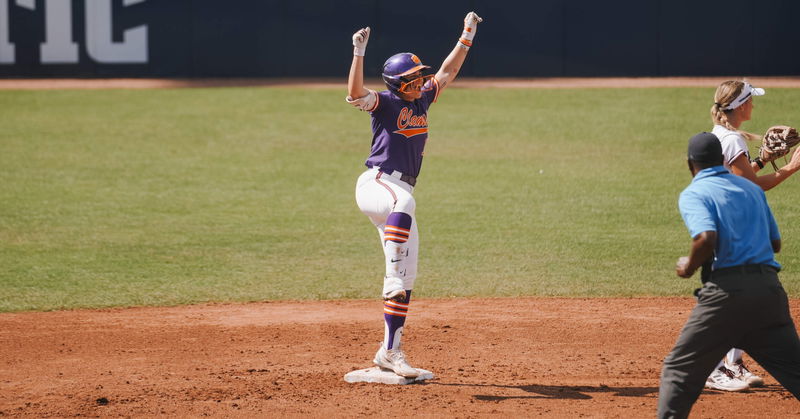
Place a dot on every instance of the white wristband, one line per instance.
(468, 34)
(470, 25)
(359, 51)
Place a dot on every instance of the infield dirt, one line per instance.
(521, 357)
(512, 357)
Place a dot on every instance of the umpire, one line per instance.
(742, 304)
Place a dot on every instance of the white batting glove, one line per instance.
(360, 39)
(470, 26)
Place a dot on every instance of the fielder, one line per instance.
(742, 304)
(733, 106)
(384, 190)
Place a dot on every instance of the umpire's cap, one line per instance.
(705, 148)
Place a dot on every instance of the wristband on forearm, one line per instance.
(466, 38)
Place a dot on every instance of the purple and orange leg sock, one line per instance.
(398, 227)
(394, 315)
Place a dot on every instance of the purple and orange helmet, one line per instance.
(402, 73)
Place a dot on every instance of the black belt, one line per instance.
(411, 180)
(745, 269)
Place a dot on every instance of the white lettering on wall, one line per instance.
(59, 46)
(132, 49)
(7, 53)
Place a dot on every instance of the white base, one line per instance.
(377, 375)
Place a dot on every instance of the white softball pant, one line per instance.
(378, 195)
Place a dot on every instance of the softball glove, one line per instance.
(777, 142)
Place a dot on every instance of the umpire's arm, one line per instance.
(703, 246)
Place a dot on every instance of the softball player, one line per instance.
(743, 302)
(733, 105)
(384, 191)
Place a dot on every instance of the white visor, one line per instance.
(747, 91)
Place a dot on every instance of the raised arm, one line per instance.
(452, 64)
(742, 167)
(355, 82)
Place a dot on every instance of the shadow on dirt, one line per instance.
(583, 392)
(558, 392)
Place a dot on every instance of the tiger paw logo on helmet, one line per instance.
(403, 72)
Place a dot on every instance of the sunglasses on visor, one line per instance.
(416, 82)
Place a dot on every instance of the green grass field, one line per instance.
(165, 197)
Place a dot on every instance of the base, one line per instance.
(378, 375)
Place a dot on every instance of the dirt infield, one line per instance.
(551, 82)
(549, 357)
(492, 357)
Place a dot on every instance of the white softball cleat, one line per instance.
(725, 380)
(394, 360)
(741, 372)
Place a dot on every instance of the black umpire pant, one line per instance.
(741, 307)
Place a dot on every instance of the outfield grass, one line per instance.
(163, 197)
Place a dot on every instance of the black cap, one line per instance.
(705, 148)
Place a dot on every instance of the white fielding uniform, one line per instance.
(733, 146)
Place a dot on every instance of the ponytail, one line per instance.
(727, 93)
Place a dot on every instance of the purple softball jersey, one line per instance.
(400, 130)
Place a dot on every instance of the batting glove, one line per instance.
(360, 39)
(470, 26)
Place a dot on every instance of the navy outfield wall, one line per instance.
(311, 38)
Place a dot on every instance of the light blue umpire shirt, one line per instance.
(736, 209)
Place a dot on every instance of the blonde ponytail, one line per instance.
(726, 93)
